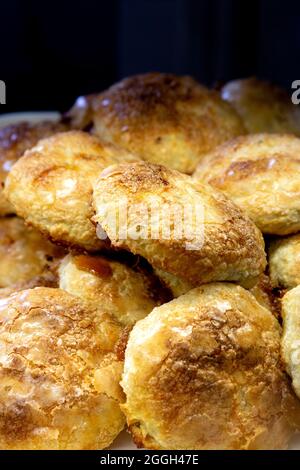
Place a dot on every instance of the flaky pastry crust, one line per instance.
(262, 289)
(204, 372)
(164, 118)
(263, 107)
(24, 253)
(51, 186)
(291, 335)
(15, 139)
(260, 174)
(59, 374)
(127, 294)
(230, 246)
(284, 261)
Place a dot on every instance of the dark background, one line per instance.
(52, 52)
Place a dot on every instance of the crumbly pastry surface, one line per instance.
(59, 374)
(204, 372)
(48, 278)
(127, 294)
(264, 107)
(262, 289)
(15, 139)
(260, 174)
(266, 295)
(89, 338)
(24, 253)
(284, 261)
(291, 335)
(51, 186)
(177, 285)
(164, 118)
(220, 244)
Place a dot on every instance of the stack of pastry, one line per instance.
(188, 345)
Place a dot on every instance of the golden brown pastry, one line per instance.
(125, 293)
(262, 106)
(48, 278)
(284, 261)
(260, 174)
(59, 374)
(175, 284)
(51, 186)
(24, 253)
(80, 116)
(193, 231)
(14, 140)
(164, 118)
(265, 294)
(262, 290)
(291, 335)
(204, 372)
